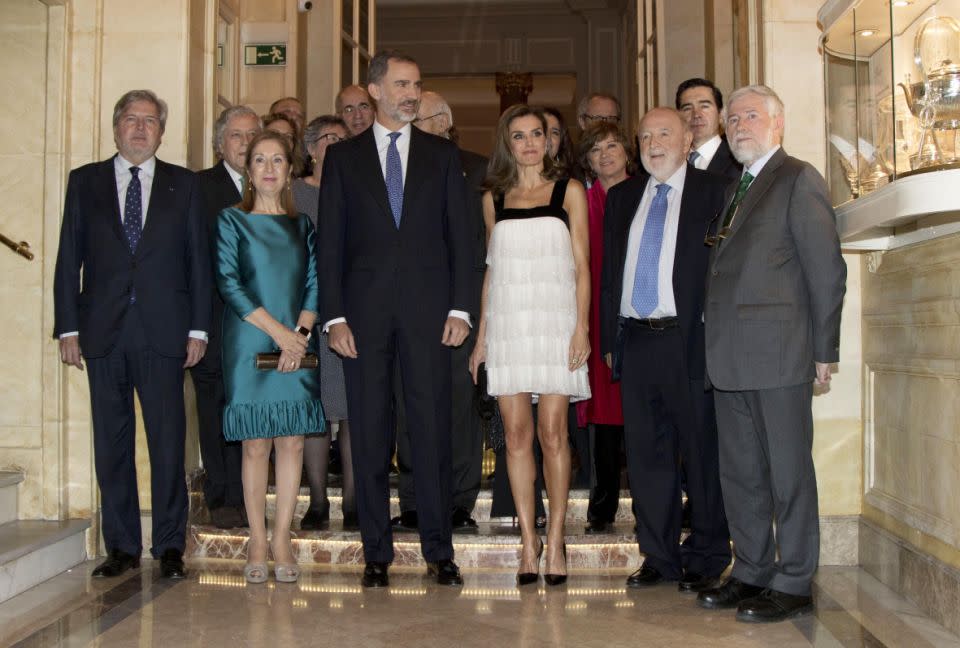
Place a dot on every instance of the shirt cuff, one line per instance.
(464, 315)
(69, 334)
(200, 335)
(335, 320)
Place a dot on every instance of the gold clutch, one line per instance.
(266, 361)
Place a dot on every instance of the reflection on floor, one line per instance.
(214, 607)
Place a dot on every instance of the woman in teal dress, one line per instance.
(266, 272)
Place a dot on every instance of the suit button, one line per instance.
(714, 273)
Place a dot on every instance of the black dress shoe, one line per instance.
(772, 606)
(406, 521)
(694, 582)
(375, 575)
(729, 595)
(596, 527)
(446, 572)
(316, 519)
(225, 517)
(461, 521)
(350, 521)
(116, 563)
(171, 564)
(646, 576)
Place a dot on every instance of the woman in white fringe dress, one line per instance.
(533, 325)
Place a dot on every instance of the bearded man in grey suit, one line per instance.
(775, 286)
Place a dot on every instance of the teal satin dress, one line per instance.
(269, 261)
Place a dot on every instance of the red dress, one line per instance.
(604, 407)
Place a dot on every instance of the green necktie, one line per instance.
(745, 181)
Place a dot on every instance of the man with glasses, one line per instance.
(651, 333)
(598, 107)
(775, 287)
(356, 109)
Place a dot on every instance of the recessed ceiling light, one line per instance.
(902, 3)
(867, 32)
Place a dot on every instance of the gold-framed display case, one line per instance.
(892, 75)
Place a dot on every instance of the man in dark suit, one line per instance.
(435, 117)
(775, 289)
(396, 276)
(222, 186)
(700, 103)
(133, 229)
(651, 326)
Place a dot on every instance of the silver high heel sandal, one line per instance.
(255, 573)
(286, 573)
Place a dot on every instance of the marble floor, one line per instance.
(214, 607)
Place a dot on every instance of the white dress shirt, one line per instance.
(666, 303)
(381, 135)
(757, 166)
(236, 177)
(121, 170)
(707, 150)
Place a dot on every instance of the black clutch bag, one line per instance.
(267, 361)
(491, 424)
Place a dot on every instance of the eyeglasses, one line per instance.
(612, 119)
(420, 120)
(711, 240)
(332, 137)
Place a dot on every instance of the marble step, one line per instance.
(31, 551)
(576, 506)
(495, 546)
(8, 495)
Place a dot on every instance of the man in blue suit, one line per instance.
(132, 294)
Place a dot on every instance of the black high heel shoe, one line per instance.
(557, 579)
(528, 578)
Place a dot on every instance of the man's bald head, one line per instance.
(355, 107)
(434, 115)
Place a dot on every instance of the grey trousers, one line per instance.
(769, 485)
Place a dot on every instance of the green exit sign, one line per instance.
(270, 54)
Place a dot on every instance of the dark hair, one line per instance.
(700, 83)
(596, 133)
(298, 158)
(565, 155)
(249, 191)
(502, 168)
(379, 64)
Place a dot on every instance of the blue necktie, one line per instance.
(394, 179)
(133, 211)
(645, 295)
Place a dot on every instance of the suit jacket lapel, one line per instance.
(754, 193)
(228, 186)
(160, 193)
(417, 170)
(368, 161)
(108, 185)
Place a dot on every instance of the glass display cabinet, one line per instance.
(892, 76)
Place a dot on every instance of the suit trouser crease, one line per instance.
(768, 477)
(158, 380)
(668, 416)
(424, 370)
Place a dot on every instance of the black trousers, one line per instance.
(767, 472)
(221, 459)
(668, 416)
(465, 437)
(605, 494)
(158, 381)
(424, 366)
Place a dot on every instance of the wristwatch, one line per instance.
(304, 331)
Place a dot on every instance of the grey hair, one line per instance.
(443, 105)
(140, 95)
(774, 103)
(221, 124)
(311, 133)
(381, 61)
(585, 102)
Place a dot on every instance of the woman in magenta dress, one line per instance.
(605, 155)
